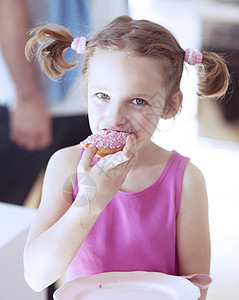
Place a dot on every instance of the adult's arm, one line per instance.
(30, 125)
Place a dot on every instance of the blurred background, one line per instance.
(205, 130)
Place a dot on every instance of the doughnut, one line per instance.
(109, 142)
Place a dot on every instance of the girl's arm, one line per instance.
(61, 226)
(193, 239)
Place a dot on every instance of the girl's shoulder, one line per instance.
(61, 167)
(66, 158)
(194, 194)
(192, 176)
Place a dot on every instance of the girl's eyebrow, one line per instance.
(96, 87)
(130, 95)
(141, 95)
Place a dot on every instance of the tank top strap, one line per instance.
(176, 171)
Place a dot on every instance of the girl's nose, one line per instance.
(117, 116)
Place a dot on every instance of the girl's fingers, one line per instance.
(128, 154)
(130, 147)
(122, 157)
(131, 150)
(88, 155)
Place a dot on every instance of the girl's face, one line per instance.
(125, 93)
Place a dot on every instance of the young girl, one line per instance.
(147, 207)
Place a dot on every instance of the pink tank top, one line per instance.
(136, 231)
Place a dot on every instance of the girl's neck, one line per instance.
(151, 161)
(150, 154)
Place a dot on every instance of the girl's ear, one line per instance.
(173, 105)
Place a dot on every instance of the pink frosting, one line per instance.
(108, 139)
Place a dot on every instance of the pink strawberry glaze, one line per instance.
(109, 139)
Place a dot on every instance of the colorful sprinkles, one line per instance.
(110, 139)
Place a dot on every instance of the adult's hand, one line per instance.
(30, 125)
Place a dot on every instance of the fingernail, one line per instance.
(133, 137)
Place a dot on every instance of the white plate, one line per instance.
(135, 285)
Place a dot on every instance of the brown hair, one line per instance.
(140, 36)
(52, 41)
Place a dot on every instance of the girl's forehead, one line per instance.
(121, 67)
(122, 58)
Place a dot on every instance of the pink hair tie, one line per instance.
(79, 44)
(193, 57)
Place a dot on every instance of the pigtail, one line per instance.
(48, 45)
(213, 76)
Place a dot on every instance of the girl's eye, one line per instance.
(139, 101)
(102, 96)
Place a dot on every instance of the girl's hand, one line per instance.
(99, 183)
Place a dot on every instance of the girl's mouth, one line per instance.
(108, 131)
